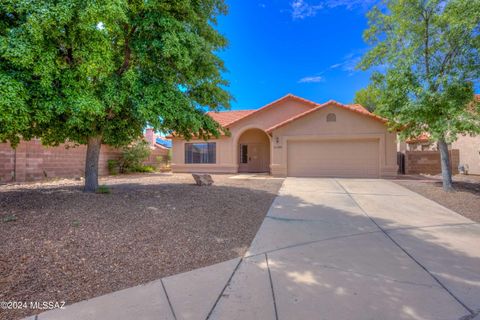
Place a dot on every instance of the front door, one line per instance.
(253, 158)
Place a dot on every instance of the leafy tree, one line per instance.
(94, 72)
(368, 97)
(430, 53)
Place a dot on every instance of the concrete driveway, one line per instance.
(328, 249)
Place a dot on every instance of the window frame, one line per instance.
(206, 153)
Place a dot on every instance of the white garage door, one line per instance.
(333, 158)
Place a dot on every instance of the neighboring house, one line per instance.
(469, 149)
(164, 142)
(160, 149)
(293, 136)
(421, 143)
(156, 141)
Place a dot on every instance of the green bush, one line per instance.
(113, 167)
(10, 218)
(76, 223)
(103, 189)
(144, 169)
(133, 156)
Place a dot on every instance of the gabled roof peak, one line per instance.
(267, 106)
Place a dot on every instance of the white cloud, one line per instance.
(349, 4)
(301, 9)
(311, 79)
(262, 5)
(349, 62)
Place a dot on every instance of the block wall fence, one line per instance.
(32, 161)
(428, 162)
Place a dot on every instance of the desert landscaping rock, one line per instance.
(203, 179)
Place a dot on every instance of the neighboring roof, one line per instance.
(352, 107)
(477, 97)
(166, 143)
(268, 106)
(424, 137)
(226, 117)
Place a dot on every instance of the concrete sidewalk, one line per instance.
(328, 249)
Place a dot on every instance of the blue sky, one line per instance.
(305, 47)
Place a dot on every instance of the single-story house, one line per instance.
(293, 136)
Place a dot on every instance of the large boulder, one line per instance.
(202, 179)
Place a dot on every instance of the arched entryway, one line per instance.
(253, 151)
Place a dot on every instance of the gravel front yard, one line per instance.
(60, 244)
(465, 200)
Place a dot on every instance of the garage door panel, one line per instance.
(333, 158)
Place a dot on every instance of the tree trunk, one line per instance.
(91, 164)
(446, 169)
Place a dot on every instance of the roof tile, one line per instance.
(226, 117)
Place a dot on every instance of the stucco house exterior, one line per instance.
(469, 149)
(293, 136)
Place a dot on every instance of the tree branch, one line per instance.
(426, 17)
(127, 50)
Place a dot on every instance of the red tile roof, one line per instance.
(352, 107)
(224, 118)
(271, 104)
(359, 107)
(423, 137)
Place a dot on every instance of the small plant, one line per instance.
(144, 169)
(76, 223)
(9, 218)
(133, 156)
(113, 167)
(103, 189)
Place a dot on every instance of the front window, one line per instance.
(200, 152)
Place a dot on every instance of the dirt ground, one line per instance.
(60, 244)
(465, 200)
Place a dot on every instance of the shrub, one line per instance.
(133, 156)
(165, 161)
(103, 189)
(144, 169)
(10, 218)
(76, 223)
(113, 167)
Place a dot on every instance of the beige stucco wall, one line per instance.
(469, 148)
(349, 125)
(227, 147)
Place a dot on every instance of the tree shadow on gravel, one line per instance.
(66, 245)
